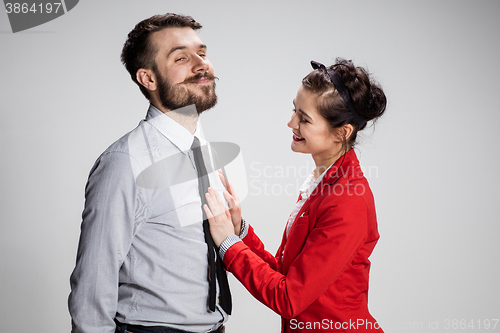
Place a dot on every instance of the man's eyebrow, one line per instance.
(175, 48)
(182, 47)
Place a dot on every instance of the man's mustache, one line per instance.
(199, 76)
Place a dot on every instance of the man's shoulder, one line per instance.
(123, 144)
(118, 155)
(132, 151)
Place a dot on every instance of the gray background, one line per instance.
(431, 161)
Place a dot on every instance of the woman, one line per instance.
(318, 280)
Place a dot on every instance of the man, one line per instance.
(144, 262)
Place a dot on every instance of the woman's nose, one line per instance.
(293, 121)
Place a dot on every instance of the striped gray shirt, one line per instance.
(142, 257)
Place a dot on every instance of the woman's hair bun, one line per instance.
(378, 102)
(367, 95)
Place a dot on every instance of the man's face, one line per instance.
(184, 74)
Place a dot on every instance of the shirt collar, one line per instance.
(174, 131)
(310, 183)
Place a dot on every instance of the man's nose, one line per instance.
(200, 64)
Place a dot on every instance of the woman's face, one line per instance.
(311, 132)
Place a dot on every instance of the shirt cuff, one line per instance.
(230, 241)
(243, 229)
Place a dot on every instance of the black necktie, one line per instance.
(215, 269)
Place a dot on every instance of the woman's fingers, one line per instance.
(229, 187)
(208, 212)
(222, 178)
(218, 216)
(215, 203)
(216, 195)
(217, 207)
(229, 198)
(212, 204)
(233, 203)
(233, 192)
(228, 214)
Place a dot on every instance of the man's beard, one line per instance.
(178, 95)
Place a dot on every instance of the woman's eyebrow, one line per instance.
(305, 114)
(301, 111)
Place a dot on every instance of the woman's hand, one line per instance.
(218, 217)
(233, 201)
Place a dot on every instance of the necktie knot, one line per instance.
(196, 143)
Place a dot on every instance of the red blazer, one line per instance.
(318, 279)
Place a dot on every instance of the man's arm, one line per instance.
(106, 234)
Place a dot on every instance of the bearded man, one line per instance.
(145, 262)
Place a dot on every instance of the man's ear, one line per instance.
(147, 78)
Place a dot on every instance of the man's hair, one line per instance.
(138, 51)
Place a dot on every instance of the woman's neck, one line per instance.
(324, 162)
(322, 167)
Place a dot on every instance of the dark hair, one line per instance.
(138, 51)
(367, 96)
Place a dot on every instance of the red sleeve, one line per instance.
(337, 236)
(257, 247)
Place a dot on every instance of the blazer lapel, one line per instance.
(336, 171)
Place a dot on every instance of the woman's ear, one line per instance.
(347, 129)
(344, 132)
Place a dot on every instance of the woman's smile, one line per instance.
(297, 137)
